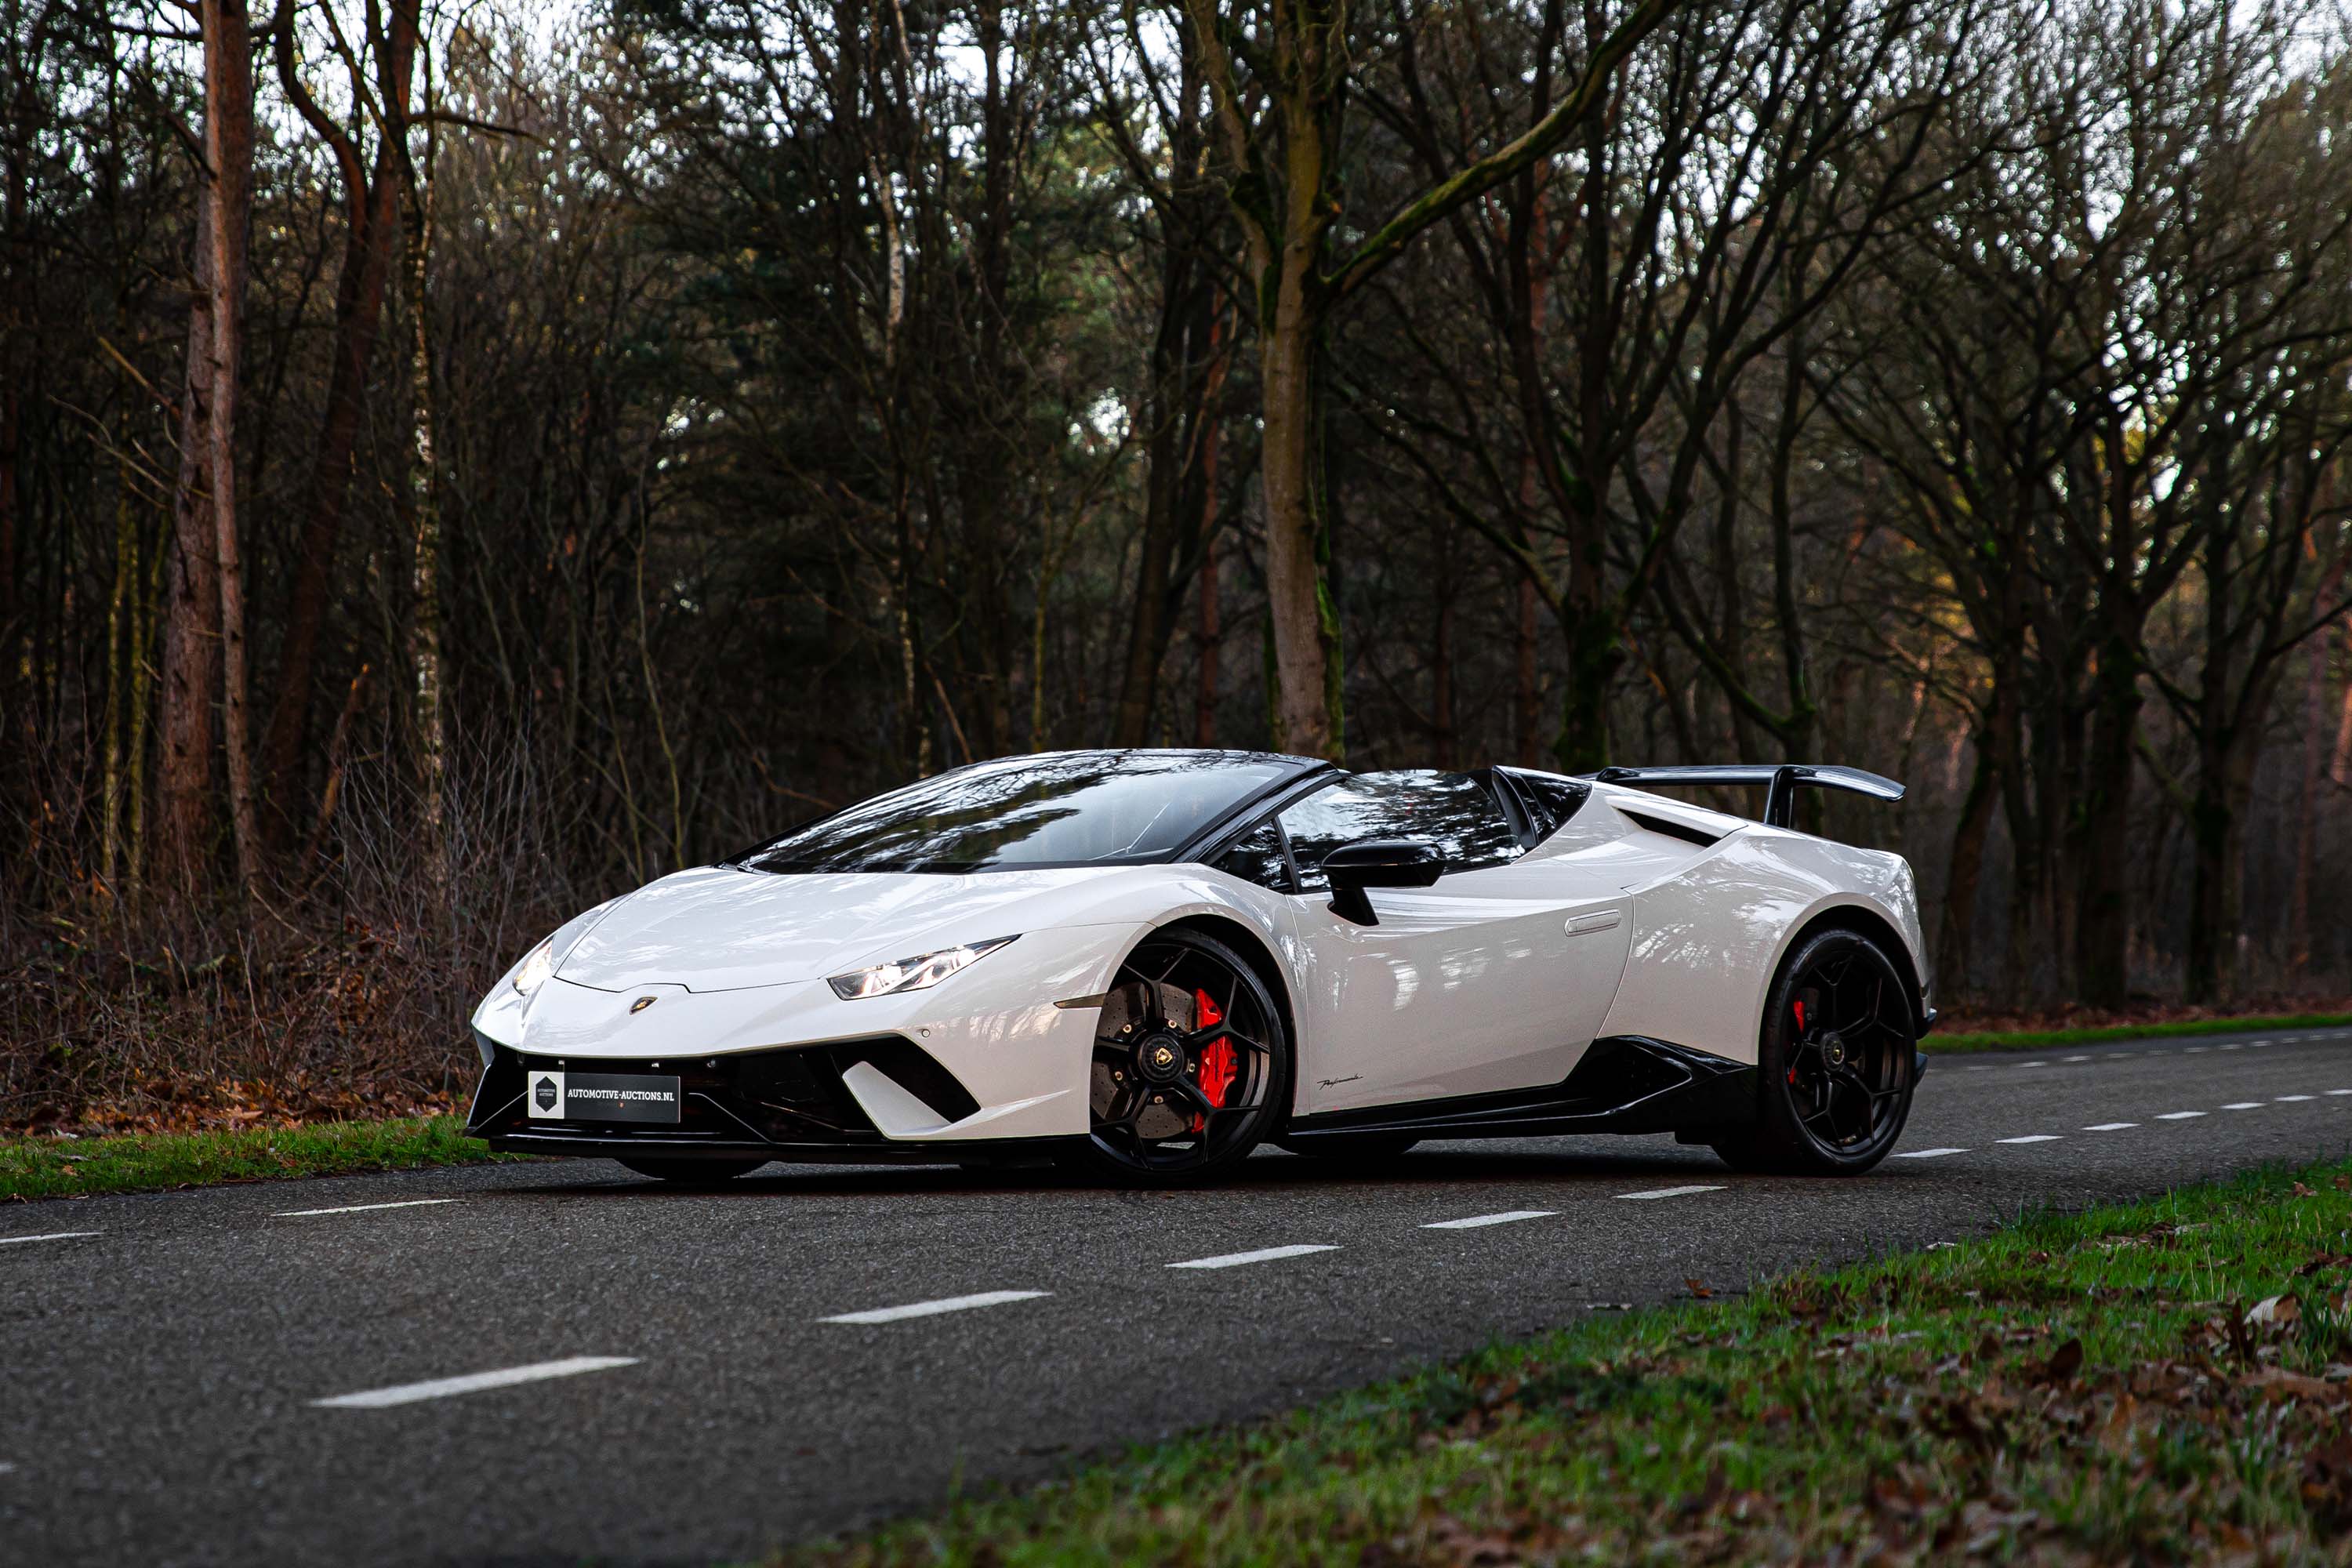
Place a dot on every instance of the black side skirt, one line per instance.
(1625, 1083)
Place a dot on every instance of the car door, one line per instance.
(1493, 978)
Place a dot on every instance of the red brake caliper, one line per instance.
(1218, 1065)
(1800, 1029)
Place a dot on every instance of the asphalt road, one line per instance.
(161, 1376)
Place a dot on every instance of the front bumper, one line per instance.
(794, 1103)
(790, 1104)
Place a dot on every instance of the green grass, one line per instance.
(142, 1162)
(2036, 1039)
(2085, 1389)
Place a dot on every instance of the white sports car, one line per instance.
(1147, 963)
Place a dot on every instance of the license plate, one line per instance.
(602, 1096)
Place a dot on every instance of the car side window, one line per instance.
(1257, 856)
(1453, 811)
(1552, 799)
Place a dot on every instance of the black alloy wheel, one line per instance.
(694, 1172)
(1838, 1057)
(1192, 1065)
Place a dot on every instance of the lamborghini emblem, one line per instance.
(641, 1003)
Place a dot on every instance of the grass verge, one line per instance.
(2164, 1382)
(142, 1162)
(2035, 1039)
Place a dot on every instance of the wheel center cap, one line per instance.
(1160, 1058)
(1833, 1049)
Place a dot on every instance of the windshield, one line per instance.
(1068, 809)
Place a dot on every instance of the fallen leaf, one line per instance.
(2281, 1384)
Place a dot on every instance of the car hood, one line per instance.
(717, 929)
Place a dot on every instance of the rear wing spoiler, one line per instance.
(1780, 781)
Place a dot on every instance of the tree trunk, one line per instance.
(367, 262)
(228, 145)
(2210, 943)
(1527, 697)
(121, 619)
(1206, 635)
(425, 509)
(9, 426)
(1595, 654)
(1146, 615)
(1173, 417)
(1299, 608)
(191, 674)
(1443, 740)
(2102, 920)
(2306, 816)
(372, 225)
(1955, 929)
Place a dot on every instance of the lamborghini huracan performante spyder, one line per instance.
(1146, 964)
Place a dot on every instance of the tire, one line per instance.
(1836, 1056)
(1169, 1107)
(694, 1172)
(1366, 1149)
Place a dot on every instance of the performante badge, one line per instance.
(641, 1003)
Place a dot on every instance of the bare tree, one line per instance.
(1279, 78)
(378, 76)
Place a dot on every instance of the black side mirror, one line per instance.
(1377, 863)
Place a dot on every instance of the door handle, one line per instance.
(1599, 920)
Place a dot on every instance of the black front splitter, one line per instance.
(1008, 1151)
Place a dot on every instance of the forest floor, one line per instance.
(2164, 1381)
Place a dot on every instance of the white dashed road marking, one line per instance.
(2292, 1099)
(52, 1236)
(362, 1208)
(2078, 1058)
(2110, 1126)
(1670, 1192)
(443, 1388)
(1476, 1220)
(2333, 1093)
(1263, 1255)
(933, 1308)
(1928, 1154)
(2243, 1105)
(2042, 1064)
(2179, 1115)
(2031, 1138)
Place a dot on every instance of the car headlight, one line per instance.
(534, 970)
(916, 973)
